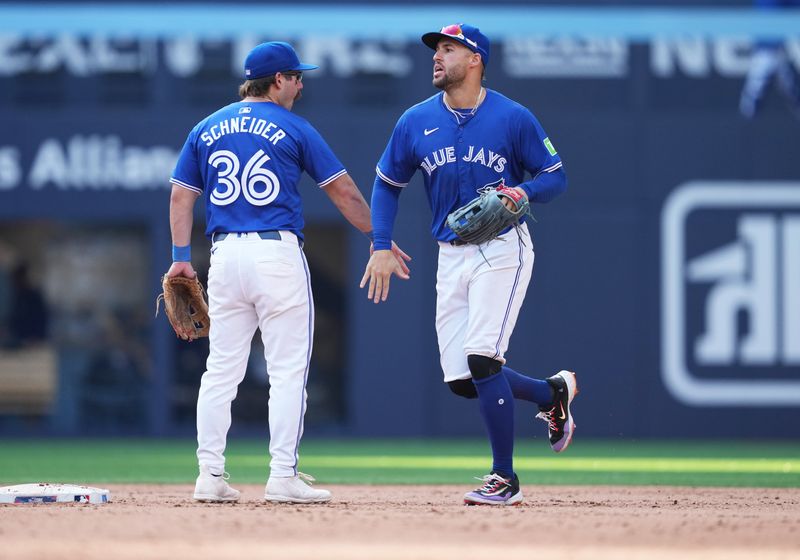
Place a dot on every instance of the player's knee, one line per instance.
(482, 367)
(463, 388)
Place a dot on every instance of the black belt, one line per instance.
(458, 242)
(272, 234)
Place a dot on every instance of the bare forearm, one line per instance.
(350, 202)
(181, 205)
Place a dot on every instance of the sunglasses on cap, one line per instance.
(456, 32)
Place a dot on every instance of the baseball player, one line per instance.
(246, 160)
(464, 139)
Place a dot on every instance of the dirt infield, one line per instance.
(410, 522)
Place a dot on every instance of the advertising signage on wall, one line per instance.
(528, 56)
(88, 162)
(94, 54)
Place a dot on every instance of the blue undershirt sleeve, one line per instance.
(545, 186)
(385, 199)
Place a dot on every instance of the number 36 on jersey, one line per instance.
(259, 185)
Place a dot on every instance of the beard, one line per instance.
(450, 77)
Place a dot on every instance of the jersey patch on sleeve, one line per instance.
(549, 145)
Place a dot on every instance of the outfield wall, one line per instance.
(667, 276)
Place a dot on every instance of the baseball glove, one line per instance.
(186, 307)
(483, 218)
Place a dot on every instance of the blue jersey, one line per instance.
(460, 152)
(247, 159)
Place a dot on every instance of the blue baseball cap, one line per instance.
(470, 37)
(270, 58)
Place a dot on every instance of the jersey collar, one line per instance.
(464, 118)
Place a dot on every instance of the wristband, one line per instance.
(181, 254)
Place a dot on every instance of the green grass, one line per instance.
(411, 462)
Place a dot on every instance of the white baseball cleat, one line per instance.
(210, 488)
(294, 489)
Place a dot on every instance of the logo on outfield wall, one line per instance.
(730, 304)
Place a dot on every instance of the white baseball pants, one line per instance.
(479, 292)
(257, 283)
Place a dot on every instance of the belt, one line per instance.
(272, 234)
(458, 242)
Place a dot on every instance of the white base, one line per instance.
(46, 493)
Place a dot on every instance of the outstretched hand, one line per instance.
(399, 254)
(382, 264)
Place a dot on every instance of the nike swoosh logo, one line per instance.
(563, 414)
(431, 131)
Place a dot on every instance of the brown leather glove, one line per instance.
(186, 307)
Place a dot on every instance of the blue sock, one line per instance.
(497, 408)
(527, 388)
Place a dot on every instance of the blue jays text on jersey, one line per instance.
(460, 152)
(247, 159)
(448, 155)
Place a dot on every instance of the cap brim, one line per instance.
(302, 67)
(432, 39)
